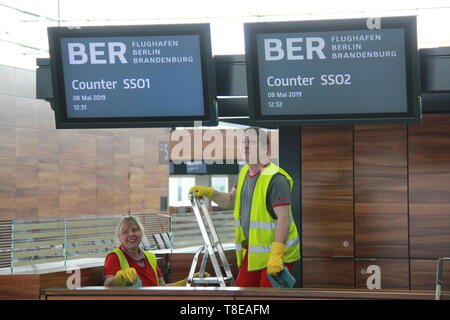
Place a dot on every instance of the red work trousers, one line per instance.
(258, 278)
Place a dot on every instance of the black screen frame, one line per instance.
(207, 68)
(412, 64)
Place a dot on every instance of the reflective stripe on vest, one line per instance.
(151, 258)
(262, 225)
(267, 249)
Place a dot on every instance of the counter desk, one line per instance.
(229, 293)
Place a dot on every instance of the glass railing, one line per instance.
(30, 242)
(63, 239)
(186, 232)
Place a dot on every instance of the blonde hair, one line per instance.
(129, 220)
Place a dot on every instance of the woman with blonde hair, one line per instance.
(128, 265)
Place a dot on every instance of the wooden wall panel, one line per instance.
(137, 149)
(23, 287)
(328, 273)
(121, 183)
(121, 201)
(7, 187)
(429, 172)
(68, 144)
(121, 146)
(381, 191)
(327, 191)
(104, 172)
(28, 286)
(69, 191)
(46, 172)
(48, 189)
(27, 141)
(394, 273)
(137, 200)
(423, 275)
(87, 147)
(88, 276)
(48, 144)
(87, 182)
(27, 188)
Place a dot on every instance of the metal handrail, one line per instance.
(60, 239)
(439, 269)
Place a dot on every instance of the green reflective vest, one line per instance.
(262, 225)
(151, 257)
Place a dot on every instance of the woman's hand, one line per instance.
(126, 275)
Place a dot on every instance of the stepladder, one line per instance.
(211, 250)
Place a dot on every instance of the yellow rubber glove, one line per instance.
(183, 283)
(126, 275)
(202, 191)
(275, 263)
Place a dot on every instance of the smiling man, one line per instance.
(266, 237)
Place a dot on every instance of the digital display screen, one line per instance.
(332, 72)
(133, 76)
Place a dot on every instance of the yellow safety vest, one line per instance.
(262, 225)
(151, 257)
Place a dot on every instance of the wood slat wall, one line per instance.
(429, 174)
(46, 172)
(328, 273)
(394, 273)
(397, 179)
(423, 275)
(327, 191)
(381, 193)
(42, 187)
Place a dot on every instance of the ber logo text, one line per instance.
(97, 53)
(275, 49)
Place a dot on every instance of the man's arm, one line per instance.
(225, 199)
(283, 223)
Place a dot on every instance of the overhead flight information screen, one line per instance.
(133, 76)
(332, 72)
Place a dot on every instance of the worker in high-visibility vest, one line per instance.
(266, 236)
(128, 265)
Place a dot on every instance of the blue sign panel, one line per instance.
(133, 76)
(333, 72)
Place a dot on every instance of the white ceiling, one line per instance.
(23, 23)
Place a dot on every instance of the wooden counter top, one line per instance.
(230, 293)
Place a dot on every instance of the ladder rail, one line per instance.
(212, 244)
(194, 265)
(217, 241)
(209, 243)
